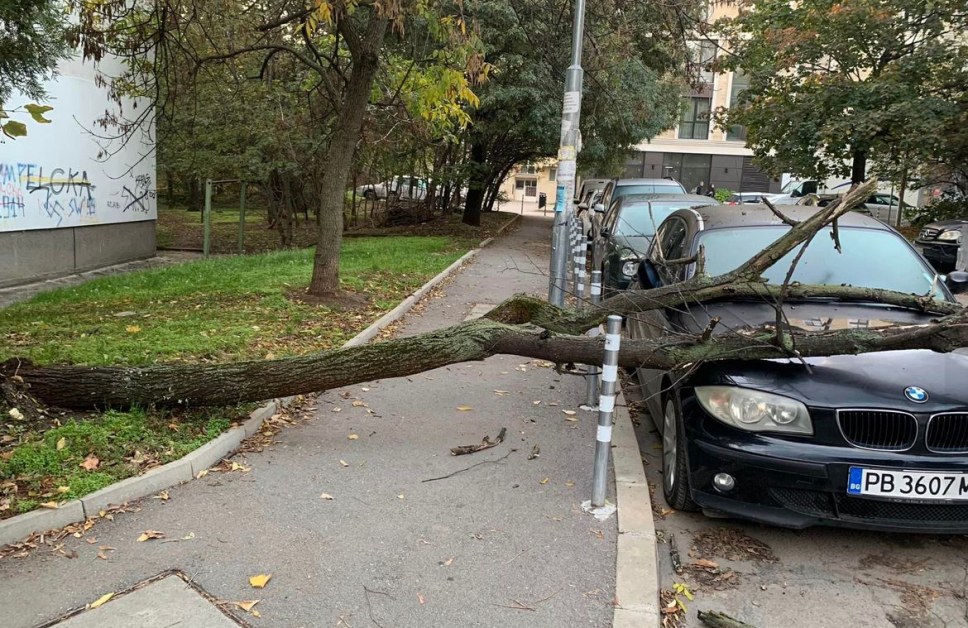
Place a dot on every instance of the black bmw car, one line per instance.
(876, 440)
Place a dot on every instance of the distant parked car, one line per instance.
(617, 188)
(408, 187)
(939, 242)
(741, 198)
(884, 207)
(627, 231)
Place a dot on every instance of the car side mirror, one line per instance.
(648, 275)
(957, 281)
(599, 208)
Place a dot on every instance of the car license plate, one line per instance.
(908, 485)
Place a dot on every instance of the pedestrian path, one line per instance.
(362, 516)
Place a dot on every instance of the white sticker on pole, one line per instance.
(606, 403)
(567, 153)
(566, 170)
(604, 434)
(610, 373)
(612, 342)
(572, 103)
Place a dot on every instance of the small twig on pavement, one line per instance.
(369, 609)
(450, 475)
(518, 606)
(518, 555)
(674, 554)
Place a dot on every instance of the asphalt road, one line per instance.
(773, 577)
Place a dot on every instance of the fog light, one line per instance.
(724, 482)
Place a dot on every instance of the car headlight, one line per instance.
(630, 266)
(754, 410)
(951, 236)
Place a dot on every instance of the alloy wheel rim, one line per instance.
(669, 445)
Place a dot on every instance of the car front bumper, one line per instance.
(798, 484)
(939, 254)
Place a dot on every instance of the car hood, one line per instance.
(869, 380)
(638, 244)
(943, 224)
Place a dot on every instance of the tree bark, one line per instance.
(858, 169)
(364, 50)
(477, 187)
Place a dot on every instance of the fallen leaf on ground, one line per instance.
(326, 496)
(448, 562)
(201, 474)
(359, 404)
(132, 329)
(102, 555)
(569, 484)
(62, 443)
(336, 409)
(50, 505)
(343, 463)
(163, 496)
(421, 598)
(486, 443)
(90, 463)
(15, 414)
(464, 408)
(150, 534)
(535, 452)
(501, 392)
(101, 600)
(247, 605)
(570, 412)
(400, 496)
(260, 581)
(353, 437)
(545, 481)
(240, 467)
(63, 489)
(572, 419)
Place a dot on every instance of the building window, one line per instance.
(703, 54)
(694, 124)
(741, 82)
(528, 186)
(689, 170)
(553, 173)
(528, 168)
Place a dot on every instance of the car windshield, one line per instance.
(642, 219)
(871, 258)
(647, 188)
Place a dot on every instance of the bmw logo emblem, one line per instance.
(915, 394)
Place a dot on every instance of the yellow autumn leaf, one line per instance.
(132, 329)
(353, 437)
(62, 443)
(50, 505)
(343, 463)
(247, 605)
(464, 408)
(101, 600)
(570, 412)
(260, 581)
(545, 481)
(63, 489)
(150, 534)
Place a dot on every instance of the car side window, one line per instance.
(673, 246)
(610, 215)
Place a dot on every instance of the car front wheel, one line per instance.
(675, 475)
(369, 195)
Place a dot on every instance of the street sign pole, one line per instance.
(567, 161)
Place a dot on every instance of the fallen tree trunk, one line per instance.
(523, 326)
(221, 384)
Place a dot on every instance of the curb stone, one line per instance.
(636, 563)
(15, 529)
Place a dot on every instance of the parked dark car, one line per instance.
(627, 229)
(939, 242)
(876, 440)
(617, 188)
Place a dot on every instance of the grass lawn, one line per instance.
(217, 310)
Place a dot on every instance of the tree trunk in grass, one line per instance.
(364, 50)
(476, 188)
(524, 326)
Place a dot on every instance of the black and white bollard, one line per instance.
(578, 263)
(591, 375)
(606, 408)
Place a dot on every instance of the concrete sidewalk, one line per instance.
(412, 536)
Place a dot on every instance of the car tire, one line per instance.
(369, 195)
(675, 473)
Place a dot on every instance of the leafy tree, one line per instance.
(32, 40)
(834, 83)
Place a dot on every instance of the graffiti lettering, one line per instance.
(135, 200)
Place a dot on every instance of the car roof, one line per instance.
(759, 215)
(621, 182)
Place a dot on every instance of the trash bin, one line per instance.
(542, 200)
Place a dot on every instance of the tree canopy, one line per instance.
(835, 82)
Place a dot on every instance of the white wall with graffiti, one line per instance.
(69, 173)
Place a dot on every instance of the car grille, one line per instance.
(929, 233)
(858, 508)
(947, 433)
(878, 429)
(841, 506)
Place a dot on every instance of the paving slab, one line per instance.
(163, 604)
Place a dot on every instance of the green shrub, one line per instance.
(723, 194)
(944, 209)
